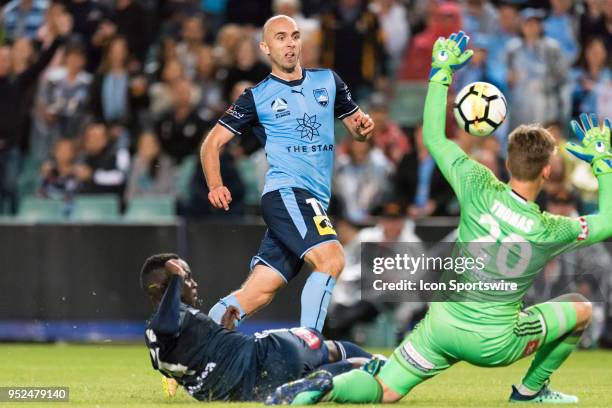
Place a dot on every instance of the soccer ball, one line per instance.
(480, 108)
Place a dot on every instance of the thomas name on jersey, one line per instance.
(508, 216)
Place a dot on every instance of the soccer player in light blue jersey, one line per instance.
(292, 113)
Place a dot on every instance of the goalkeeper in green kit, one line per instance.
(499, 222)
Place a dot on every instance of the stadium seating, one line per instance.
(153, 208)
(99, 207)
(41, 209)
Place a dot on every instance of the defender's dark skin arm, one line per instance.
(167, 318)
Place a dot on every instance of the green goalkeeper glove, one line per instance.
(448, 56)
(595, 148)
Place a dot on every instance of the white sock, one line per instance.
(526, 391)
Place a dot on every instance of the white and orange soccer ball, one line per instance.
(480, 108)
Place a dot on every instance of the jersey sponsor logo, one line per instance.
(281, 107)
(234, 110)
(584, 226)
(531, 347)
(324, 225)
(312, 340)
(301, 91)
(321, 96)
(416, 359)
(513, 218)
(308, 126)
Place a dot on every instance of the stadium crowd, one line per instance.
(121, 102)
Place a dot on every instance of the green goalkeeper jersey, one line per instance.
(513, 237)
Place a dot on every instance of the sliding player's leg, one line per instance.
(564, 319)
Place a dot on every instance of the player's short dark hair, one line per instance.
(152, 272)
(529, 150)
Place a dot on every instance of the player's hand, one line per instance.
(449, 55)
(220, 197)
(174, 267)
(229, 318)
(595, 148)
(364, 126)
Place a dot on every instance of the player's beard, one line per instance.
(287, 68)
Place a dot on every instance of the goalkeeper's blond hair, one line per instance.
(530, 148)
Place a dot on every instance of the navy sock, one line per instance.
(350, 350)
(337, 368)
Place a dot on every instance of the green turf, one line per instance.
(108, 375)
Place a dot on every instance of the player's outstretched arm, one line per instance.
(167, 318)
(595, 150)
(219, 196)
(449, 55)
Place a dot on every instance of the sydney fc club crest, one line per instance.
(321, 96)
(281, 107)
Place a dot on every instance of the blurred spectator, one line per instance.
(92, 26)
(308, 26)
(138, 36)
(13, 112)
(197, 204)
(584, 271)
(66, 95)
(488, 154)
(103, 168)
(115, 95)
(248, 12)
(592, 80)
(537, 74)
(160, 93)
(192, 38)
(211, 103)
(311, 52)
(181, 129)
(247, 66)
(394, 24)
(596, 21)
(361, 179)
(349, 305)
(227, 40)
(152, 172)
(59, 180)
(23, 18)
(479, 17)
(419, 185)
(214, 11)
(562, 26)
(388, 136)
(445, 18)
(352, 44)
(23, 57)
(507, 29)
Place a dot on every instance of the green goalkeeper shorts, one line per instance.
(434, 345)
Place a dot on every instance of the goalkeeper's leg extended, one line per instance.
(564, 319)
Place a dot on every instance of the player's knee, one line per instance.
(327, 258)
(584, 312)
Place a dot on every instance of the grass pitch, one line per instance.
(109, 375)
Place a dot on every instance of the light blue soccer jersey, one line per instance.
(294, 121)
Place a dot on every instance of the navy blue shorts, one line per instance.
(286, 355)
(296, 222)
